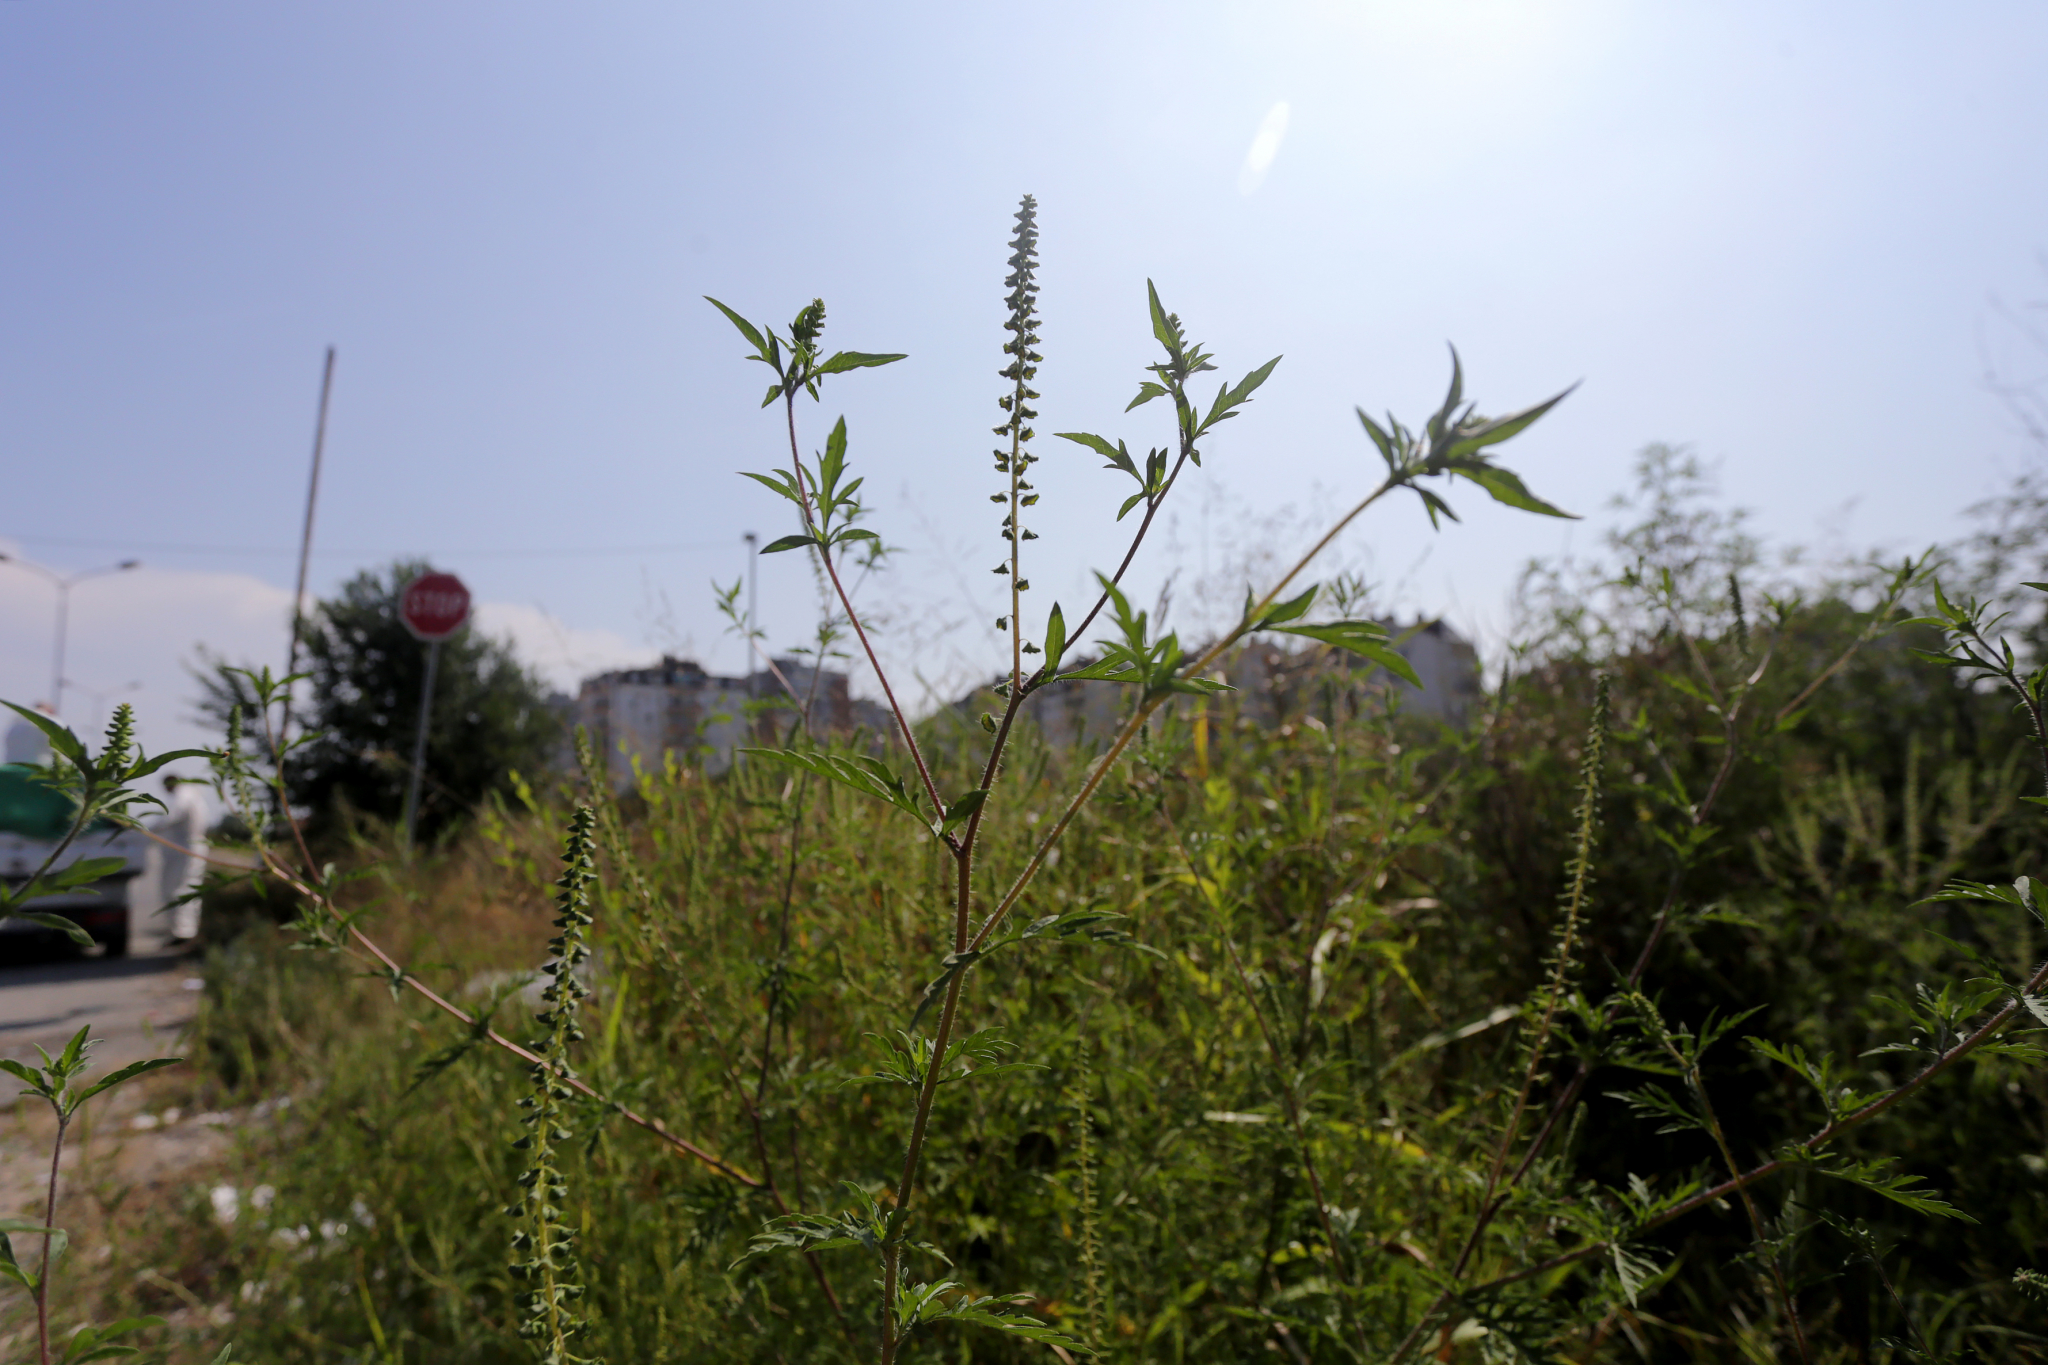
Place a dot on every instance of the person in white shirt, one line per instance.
(185, 826)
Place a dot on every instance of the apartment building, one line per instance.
(675, 707)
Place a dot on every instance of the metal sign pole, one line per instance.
(291, 659)
(419, 742)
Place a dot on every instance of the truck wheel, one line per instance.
(116, 944)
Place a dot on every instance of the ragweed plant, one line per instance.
(545, 1242)
(102, 791)
(1022, 324)
(59, 1083)
(1455, 442)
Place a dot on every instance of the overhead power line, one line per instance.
(498, 552)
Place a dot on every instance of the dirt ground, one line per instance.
(137, 1138)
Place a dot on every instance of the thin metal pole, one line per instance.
(291, 660)
(57, 665)
(419, 742)
(753, 598)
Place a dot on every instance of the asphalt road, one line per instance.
(137, 1005)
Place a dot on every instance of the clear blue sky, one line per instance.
(1772, 231)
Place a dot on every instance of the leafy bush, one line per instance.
(364, 672)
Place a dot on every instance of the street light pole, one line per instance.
(753, 577)
(64, 586)
(102, 711)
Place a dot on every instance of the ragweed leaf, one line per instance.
(868, 776)
(920, 1305)
(57, 922)
(747, 329)
(857, 360)
(124, 1075)
(1878, 1177)
(1367, 639)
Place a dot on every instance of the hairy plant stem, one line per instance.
(931, 790)
(963, 852)
(49, 1221)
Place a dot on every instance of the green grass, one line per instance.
(1340, 912)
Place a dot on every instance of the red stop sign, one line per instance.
(434, 606)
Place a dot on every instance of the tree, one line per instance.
(490, 714)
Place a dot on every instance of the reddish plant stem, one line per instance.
(49, 1222)
(853, 618)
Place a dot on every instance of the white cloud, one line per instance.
(1265, 146)
(562, 654)
(143, 627)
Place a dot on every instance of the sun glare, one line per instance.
(1265, 146)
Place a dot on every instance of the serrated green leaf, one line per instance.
(1105, 670)
(1147, 391)
(951, 965)
(1381, 439)
(97, 1343)
(1118, 455)
(126, 1073)
(1282, 612)
(1878, 1178)
(83, 872)
(1367, 639)
(147, 766)
(1229, 399)
(1436, 506)
(58, 1239)
(856, 360)
(1161, 327)
(868, 776)
(962, 810)
(11, 1268)
(57, 922)
(1498, 429)
(1055, 640)
(61, 739)
(74, 1052)
(747, 329)
(834, 461)
(782, 484)
(1505, 486)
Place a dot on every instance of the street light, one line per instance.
(64, 586)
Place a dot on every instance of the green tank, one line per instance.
(29, 806)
